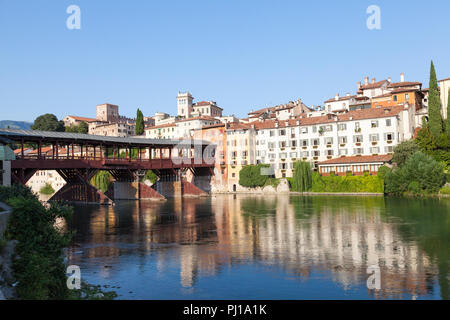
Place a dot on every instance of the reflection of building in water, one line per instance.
(344, 240)
(299, 234)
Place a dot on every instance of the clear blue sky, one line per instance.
(242, 54)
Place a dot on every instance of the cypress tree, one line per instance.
(139, 123)
(434, 105)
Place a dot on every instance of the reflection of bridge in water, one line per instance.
(300, 235)
(78, 157)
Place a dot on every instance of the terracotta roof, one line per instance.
(212, 126)
(399, 90)
(206, 118)
(355, 115)
(444, 79)
(206, 103)
(83, 119)
(372, 85)
(358, 159)
(340, 99)
(166, 125)
(404, 84)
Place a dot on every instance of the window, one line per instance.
(389, 149)
(304, 143)
(342, 127)
(330, 152)
(282, 132)
(394, 98)
(342, 140)
(283, 155)
(293, 154)
(374, 123)
(316, 153)
(272, 133)
(282, 144)
(358, 151)
(271, 145)
(375, 150)
(343, 152)
(407, 96)
(293, 143)
(358, 139)
(305, 154)
(374, 137)
(329, 140)
(304, 130)
(389, 136)
(388, 122)
(315, 142)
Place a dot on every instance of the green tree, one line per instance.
(48, 122)
(83, 127)
(150, 176)
(434, 105)
(302, 179)
(139, 123)
(102, 180)
(419, 174)
(403, 151)
(47, 189)
(252, 176)
(38, 265)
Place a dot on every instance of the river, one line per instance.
(265, 247)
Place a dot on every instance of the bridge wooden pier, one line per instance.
(78, 157)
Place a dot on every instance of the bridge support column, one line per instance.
(79, 189)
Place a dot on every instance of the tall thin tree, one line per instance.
(434, 105)
(139, 123)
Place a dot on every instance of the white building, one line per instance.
(444, 86)
(316, 139)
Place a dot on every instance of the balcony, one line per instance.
(374, 143)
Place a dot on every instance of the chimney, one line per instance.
(389, 80)
(336, 97)
(359, 85)
(348, 94)
(297, 122)
(402, 77)
(366, 80)
(373, 80)
(276, 124)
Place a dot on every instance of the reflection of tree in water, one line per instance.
(427, 221)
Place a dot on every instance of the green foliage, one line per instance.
(420, 174)
(3, 243)
(434, 105)
(83, 127)
(445, 190)
(102, 180)
(47, 189)
(372, 184)
(438, 148)
(403, 151)
(90, 292)
(150, 176)
(274, 182)
(383, 171)
(48, 122)
(140, 127)
(16, 190)
(38, 265)
(302, 178)
(250, 176)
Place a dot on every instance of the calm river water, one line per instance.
(271, 247)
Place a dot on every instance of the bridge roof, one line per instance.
(69, 137)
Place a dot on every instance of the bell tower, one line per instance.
(184, 104)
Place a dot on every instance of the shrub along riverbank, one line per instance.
(38, 264)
